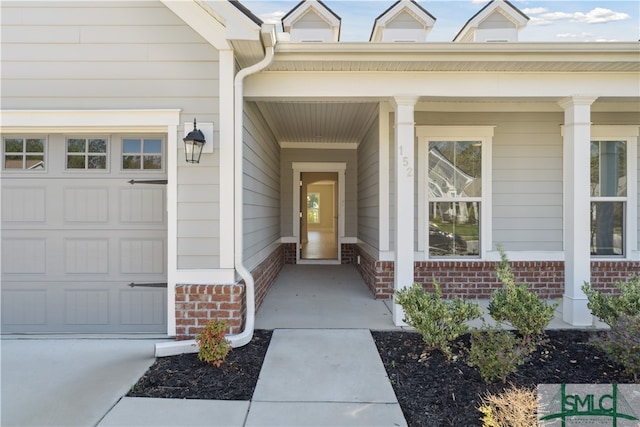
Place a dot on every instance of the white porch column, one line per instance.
(226, 162)
(404, 189)
(577, 179)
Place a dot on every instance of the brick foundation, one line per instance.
(198, 304)
(604, 274)
(347, 253)
(289, 253)
(477, 279)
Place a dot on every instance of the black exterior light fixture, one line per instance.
(193, 144)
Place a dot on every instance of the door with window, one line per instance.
(319, 216)
(84, 233)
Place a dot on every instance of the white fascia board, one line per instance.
(238, 26)
(465, 84)
(202, 22)
(68, 120)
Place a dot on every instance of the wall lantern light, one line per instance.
(193, 144)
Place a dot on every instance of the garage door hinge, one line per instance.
(148, 181)
(147, 285)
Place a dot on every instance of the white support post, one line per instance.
(226, 154)
(404, 189)
(576, 165)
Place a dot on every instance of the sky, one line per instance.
(550, 21)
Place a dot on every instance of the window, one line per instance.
(24, 153)
(313, 208)
(453, 183)
(141, 154)
(454, 190)
(86, 153)
(608, 197)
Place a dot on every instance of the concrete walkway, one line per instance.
(321, 368)
(309, 378)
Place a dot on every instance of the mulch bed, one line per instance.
(186, 377)
(438, 392)
(433, 392)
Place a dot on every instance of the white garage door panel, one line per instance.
(83, 308)
(74, 241)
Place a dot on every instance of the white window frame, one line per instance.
(427, 134)
(107, 154)
(163, 154)
(23, 169)
(630, 135)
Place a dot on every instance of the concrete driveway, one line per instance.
(67, 381)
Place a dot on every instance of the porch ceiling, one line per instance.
(304, 123)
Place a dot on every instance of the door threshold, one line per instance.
(319, 261)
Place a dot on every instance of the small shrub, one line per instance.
(518, 306)
(608, 307)
(622, 343)
(214, 347)
(438, 321)
(496, 353)
(514, 407)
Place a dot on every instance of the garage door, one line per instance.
(84, 234)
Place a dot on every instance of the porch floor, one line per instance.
(336, 297)
(315, 296)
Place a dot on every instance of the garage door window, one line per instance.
(24, 153)
(87, 153)
(141, 154)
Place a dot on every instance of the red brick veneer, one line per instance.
(198, 304)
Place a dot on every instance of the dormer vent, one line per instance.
(498, 22)
(312, 21)
(404, 22)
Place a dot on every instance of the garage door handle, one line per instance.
(147, 285)
(148, 181)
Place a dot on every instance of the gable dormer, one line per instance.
(312, 21)
(498, 21)
(404, 21)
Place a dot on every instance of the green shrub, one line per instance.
(438, 321)
(496, 353)
(608, 307)
(622, 343)
(214, 347)
(519, 307)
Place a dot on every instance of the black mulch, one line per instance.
(434, 392)
(186, 377)
(437, 392)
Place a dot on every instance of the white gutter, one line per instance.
(268, 33)
(172, 348)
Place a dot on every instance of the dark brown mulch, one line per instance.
(434, 392)
(438, 392)
(186, 377)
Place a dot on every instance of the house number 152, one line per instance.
(405, 163)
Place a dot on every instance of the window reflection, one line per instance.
(454, 228)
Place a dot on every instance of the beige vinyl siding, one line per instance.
(261, 186)
(369, 188)
(122, 55)
(290, 155)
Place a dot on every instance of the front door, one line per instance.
(319, 216)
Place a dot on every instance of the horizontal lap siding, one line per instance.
(95, 55)
(369, 188)
(526, 187)
(261, 186)
(121, 55)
